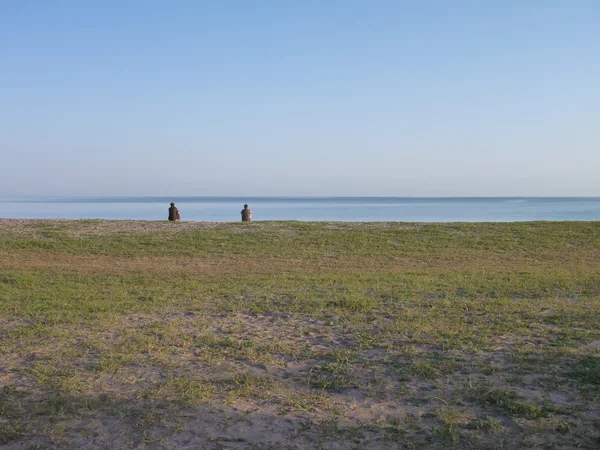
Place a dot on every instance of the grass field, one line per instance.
(276, 335)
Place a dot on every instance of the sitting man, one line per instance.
(174, 213)
(246, 214)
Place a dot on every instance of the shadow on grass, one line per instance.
(187, 416)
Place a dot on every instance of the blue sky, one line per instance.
(389, 98)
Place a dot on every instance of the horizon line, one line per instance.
(96, 197)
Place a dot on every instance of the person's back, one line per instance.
(174, 213)
(246, 214)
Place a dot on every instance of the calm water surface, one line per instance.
(356, 209)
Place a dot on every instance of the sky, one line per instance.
(300, 97)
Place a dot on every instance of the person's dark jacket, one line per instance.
(174, 213)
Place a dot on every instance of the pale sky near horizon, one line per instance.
(373, 98)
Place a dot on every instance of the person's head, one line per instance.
(245, 206)
(172, 204)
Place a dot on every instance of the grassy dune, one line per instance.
(117, 334)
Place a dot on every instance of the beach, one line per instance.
(299, 335)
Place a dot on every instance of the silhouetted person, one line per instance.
(174, 213)
(246, 214)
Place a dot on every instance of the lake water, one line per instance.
(356, 209)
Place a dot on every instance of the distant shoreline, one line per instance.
(26, 220)
(164, 225)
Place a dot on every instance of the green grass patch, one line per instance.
(588, 371)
